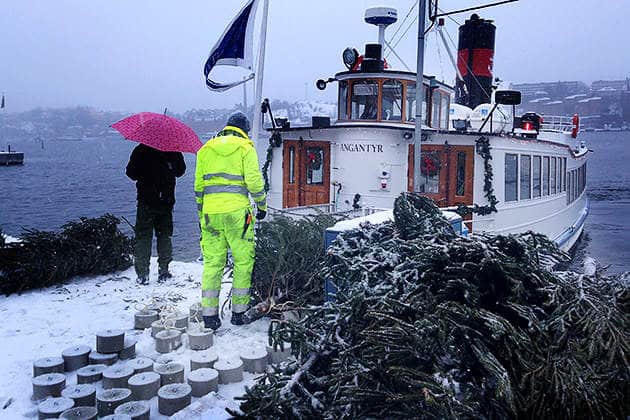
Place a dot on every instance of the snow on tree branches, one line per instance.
(427, 324)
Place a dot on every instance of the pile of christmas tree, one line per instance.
(427, 324)
(289, 253)
(82, 248)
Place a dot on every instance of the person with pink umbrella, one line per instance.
(155, 164)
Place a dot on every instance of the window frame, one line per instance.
(515, 177)
(529, 177)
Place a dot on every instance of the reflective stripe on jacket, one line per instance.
(227, 173)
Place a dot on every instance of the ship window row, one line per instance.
(534, 176)
(392, 100)
(576, 183)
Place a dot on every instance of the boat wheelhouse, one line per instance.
(507, 173)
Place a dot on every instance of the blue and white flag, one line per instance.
(234, 48)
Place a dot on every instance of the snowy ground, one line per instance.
(43, 323)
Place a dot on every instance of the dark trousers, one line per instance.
(148, 219)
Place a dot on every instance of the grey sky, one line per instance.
(137, 55)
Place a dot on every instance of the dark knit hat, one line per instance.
(240, 120)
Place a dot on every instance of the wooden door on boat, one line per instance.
(306, 173)
(448, 173)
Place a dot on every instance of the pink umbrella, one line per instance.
(160, 132)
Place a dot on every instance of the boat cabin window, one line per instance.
(526, 182)
(343, 100)
(314, 165)
(365, 100)
(545, 181)
(511, 176)
(291, 165)
(536, 176)
(391, 103)
(460, 189)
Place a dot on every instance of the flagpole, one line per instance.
(418, 179)
(259, 76)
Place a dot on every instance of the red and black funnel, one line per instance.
(474, 62)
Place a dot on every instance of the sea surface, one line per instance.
(64, 180)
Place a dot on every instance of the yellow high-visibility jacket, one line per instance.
(227, 173)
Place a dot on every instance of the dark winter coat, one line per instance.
(155, 172)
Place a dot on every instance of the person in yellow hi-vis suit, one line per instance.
(227, 174)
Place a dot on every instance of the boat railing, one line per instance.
(557, 123)
(327, 209)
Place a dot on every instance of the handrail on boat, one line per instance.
(557, 123)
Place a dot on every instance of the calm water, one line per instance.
(70, 179)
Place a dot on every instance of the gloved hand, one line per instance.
(261, 214)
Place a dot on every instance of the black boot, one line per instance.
(213, 322)
(242, 318)
(164, 275)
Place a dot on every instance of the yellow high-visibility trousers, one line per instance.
(220, 232)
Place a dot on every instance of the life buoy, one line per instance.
(576, 126)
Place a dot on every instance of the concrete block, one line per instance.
(173, 397)
(48, 385)
(144, 319)
(156, 327)
(80, 413)
(117, 376)
(129, 351)
(170, 373)
(194, 313)
(48, 365)
(144, 386)
(140, 364)
(110, 341)
(230, 370)
(137, 410)
(97, 358)
(203, 359)
(200, 340)
(168, 340)
(279, 355)
(90, 374)
(203, 381)
(53, 407)
(109, 399)
(254, 359)
(181, 320)
(83, 395)
(76, 357)
(116, 417)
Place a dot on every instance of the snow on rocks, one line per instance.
(43, 323)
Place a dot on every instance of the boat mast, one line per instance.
(418, 180)
(259, 76)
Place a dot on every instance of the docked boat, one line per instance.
(11, 157)
(502, 172)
